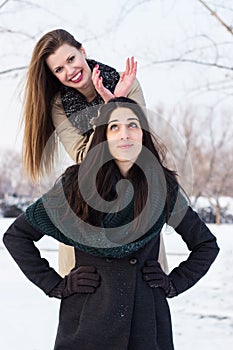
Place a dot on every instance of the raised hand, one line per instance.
(127, 78)
(98, 84)
(124, 84)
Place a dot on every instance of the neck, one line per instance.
(89, 92)
(124, 167)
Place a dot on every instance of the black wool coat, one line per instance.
(124, 313)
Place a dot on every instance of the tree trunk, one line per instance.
(218, 214)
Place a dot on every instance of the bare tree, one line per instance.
(203, 50)
(203, 152)
(12, 178)
(124, 11)
(215, 14)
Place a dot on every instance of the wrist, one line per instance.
(57, 291)
(171, 291)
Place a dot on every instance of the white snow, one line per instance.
(202, 316)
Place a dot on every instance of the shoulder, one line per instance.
(57, 99)
(36, 215)
(58, 112)
(46, 214)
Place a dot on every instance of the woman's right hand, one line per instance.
(99, 86)
(84, 279)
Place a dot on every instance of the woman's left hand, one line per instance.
(155, 277)
(127, 78)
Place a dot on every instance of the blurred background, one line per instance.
(184, 51)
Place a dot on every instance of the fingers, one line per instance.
(151, 269)
(88, 282)
(128, 76)
(153, 276)
(88, 276)
(85, 269)
(154, 280)
(95, 73)
(153, 263)
(85, 289)
(152, 272)
(96, 78)
(99, 86)
(85, 279)
(130, 66)
(155, 284)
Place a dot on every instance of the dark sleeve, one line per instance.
(204, 249)
(19, 240)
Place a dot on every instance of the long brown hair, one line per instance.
(41, 88)
(108, 174)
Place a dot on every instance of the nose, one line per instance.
(69, 69)
(124, 133)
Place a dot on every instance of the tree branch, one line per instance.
(213, 13)
(10, 70)
(188, 60)
(10, 31)
(3, 4)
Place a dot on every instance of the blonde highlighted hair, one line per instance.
(40, 90)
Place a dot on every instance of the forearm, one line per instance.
(204, 250)
(19, 240)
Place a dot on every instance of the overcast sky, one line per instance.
(152, 30)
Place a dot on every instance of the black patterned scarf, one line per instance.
(77, 109)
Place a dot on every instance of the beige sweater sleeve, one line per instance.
(136, 93)
(77, 145)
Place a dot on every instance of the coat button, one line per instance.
(109, 260)
(133, 261)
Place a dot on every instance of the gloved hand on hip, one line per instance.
(84, 279)
(155, 277)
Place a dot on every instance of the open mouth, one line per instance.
(77, 77)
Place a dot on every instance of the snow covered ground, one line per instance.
(202, 317)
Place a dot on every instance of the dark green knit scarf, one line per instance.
(37, 217)
(48, 215)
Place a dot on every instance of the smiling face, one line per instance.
(124, 136)
(69, 65)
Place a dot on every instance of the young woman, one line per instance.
(115, 297)
(64, 91)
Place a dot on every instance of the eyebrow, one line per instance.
(117, 120)
(70, 55)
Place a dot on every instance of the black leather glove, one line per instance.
(155, 277)
(84, 279)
